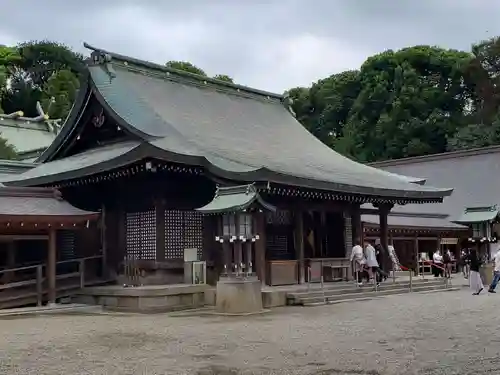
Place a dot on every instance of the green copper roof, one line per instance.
(236, 133)
(233, 199)
(478, 215)
(27, 134)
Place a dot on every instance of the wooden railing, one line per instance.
(30, 282)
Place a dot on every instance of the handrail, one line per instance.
(431, 263)
(76, 260)
(40, 279)
(7, 270)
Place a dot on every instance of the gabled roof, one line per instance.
(414, 220)
(238, 133)
(234, 199)
(39, 204)
(478, 215)
(474, 175)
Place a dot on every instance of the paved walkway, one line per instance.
(439, 333)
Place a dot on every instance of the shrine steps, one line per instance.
(351, 292)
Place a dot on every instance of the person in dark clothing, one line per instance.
(381, 274)
(476, 283)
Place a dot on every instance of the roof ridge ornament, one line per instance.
(102, 58)
(288, 102)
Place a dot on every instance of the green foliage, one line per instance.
(404, 103)
(59, 93)
(186, 67)
(7, 151)
(30, 72)
(223, 77)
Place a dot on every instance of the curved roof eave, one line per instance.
(71, 120)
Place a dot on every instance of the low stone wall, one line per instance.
(144, 299)
(269, 298)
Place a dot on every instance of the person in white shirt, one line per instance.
(437, 259)
(371, 261)
(496, 272)
(358, 257)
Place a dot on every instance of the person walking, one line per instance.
(379, 256)
(496, 272)
(437, 260)
(372, 263)
(476, 283)
(447, 259)
(464, 259)
(359, 261)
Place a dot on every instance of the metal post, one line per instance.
(323, 289)
(82, 273)
(393, 275)
(411, 281)
(308, 278)
(39, 285)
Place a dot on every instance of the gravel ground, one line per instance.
(437, 333)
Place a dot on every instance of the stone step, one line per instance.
(352, 288)
(366, 294)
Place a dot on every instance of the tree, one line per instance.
(223, 77)
(41, 59)
(59, 93)
(8, 58)
(410, 103)
(186, 67)
(37, 62)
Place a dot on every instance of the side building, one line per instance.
(169, 157)
(29, 136)
(469, 216)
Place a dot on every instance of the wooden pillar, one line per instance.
(160, 230)
(417, 268)
(357, 230)
(104, 242)
(260, 246)
(51, 266)
(384, 234)
(237, 245)
(299, 244)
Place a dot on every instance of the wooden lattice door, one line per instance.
(141, 235)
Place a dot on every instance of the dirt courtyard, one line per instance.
(437, 333)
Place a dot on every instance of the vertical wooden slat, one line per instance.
(51, 266)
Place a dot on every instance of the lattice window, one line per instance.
(183, 230)
(141, 234)
(280, 217)
(193, 231)
(228, 225)
(66, 248)
(245, 225)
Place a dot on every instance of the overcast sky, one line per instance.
(267, 44)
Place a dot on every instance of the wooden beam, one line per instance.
(299, 243)
(260, 246)
(51, 265)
